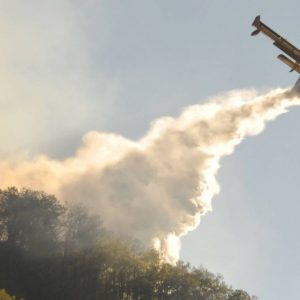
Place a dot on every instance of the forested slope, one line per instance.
(48, 251)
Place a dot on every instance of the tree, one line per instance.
(5, 296)
(29, 222)
(81, 229)
(239, 295)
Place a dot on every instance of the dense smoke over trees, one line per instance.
(48, 251)
(171, 169)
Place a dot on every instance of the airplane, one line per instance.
(293, 61)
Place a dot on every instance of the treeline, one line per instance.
(48, 251)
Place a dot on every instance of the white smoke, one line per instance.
(154, 189)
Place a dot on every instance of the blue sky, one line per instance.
(68, 68)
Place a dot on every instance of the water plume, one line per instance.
(157, 188)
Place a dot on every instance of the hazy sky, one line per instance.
(67, 68)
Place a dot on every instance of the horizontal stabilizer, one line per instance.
(255, 32)
(292, 64)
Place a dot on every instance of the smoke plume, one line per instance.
(155, 189)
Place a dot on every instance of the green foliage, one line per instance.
(239, 295)
(81, 229)
(48, 251)
(29, 221)
(5, 296)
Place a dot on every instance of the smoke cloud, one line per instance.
(157, 188)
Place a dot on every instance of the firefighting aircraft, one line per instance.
(280, 43)
(293, 61)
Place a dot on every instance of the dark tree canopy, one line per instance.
(29, 221)
(48, 251)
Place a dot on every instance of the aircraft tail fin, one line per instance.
(256, 23)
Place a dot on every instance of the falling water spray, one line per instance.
(157, 188)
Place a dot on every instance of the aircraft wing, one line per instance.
(294, 66)
(281, 43)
